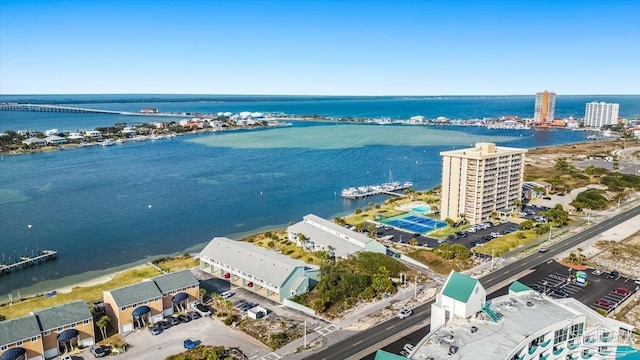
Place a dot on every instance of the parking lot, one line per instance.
(553, 279)
(467, 238)
(144, 345)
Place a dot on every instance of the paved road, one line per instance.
(360, 342)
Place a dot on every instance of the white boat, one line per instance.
(107, 142)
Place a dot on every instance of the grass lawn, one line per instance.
(502, 244)
(179, 263)
(89, 293)
(279, 241)
(438, 264)
(448, 231)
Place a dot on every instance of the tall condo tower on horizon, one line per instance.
(597, 114)
(478, 181)
(545, 107)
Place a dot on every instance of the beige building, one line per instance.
(478, 181)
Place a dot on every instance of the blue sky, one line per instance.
(319, 47)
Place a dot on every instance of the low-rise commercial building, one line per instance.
(264, 272)
(323, 235)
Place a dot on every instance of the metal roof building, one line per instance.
(325, 235)
(262, 271)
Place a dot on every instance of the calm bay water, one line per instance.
(105, 208)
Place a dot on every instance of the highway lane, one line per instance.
(382, 332)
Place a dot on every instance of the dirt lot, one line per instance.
(546, 156)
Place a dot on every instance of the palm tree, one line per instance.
(102, 324)
(360, 227)
(413, 241)
(203, 293)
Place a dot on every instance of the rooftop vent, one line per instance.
(529, 304)
(474, 329)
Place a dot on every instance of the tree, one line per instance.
(370, 206)
(449, 221)
(271, 244)
(203, 293)
(360, 227)
(358, 211)
(301, 238)
(526, 225)
(102, 324)
(413, 241)
(518, 204)
(373, 230)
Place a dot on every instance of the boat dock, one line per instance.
(389, 188)
(26, 261)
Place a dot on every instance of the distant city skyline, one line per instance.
(369, 48)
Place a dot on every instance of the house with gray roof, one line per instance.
(262, 271)
(65, 326)
(324, 235)
(21, 337)
(43, 333)
(151, 300)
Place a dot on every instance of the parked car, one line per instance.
(163, 324)
(604, 303)
(190, 344)
(637, 281)
(173, 320)
(202, 309)
(227, 294)
(194, 315)
(623, 291)
(66, 357)
(547, 198)
(543, 249)
(404, 313)
(560, 292)
(155, 330)
(408, 347)
(184, 318)
(97, 351)
(613, 274)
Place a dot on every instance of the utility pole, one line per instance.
(415, 287)
(305, 330)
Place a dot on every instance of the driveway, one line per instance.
(144, 346)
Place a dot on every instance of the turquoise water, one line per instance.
(627, 353)
(423, 209)
(414, 223)
(92, 204)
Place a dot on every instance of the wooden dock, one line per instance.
(27, 262)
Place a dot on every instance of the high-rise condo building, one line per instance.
(478, 181)
(545, 107)
(598, 114)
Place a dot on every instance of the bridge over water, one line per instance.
(67, 109)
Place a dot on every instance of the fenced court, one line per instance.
(414, 223)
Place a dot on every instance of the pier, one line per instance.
(27, 262)
(389, 188)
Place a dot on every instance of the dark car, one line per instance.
(163, 324)
(155, 330)
(560, 292)
(537, 288)
(416, 235)
(613, 275)
(184, 318)
(487, 238)
(97, 351)
(194, 315)
(173, 320)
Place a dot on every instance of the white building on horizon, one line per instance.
(598, 114)
(522, 325)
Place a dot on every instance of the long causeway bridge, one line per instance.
(69, 109)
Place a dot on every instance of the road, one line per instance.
(361, 343)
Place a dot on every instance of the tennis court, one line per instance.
(414, 223)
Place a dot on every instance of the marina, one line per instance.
(27, 261)
(388, 188)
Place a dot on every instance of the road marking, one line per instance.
(356, 343)
(390, 327)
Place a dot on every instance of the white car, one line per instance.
(405, 313)
(66, 357)
(226, 294)
(637, 281)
